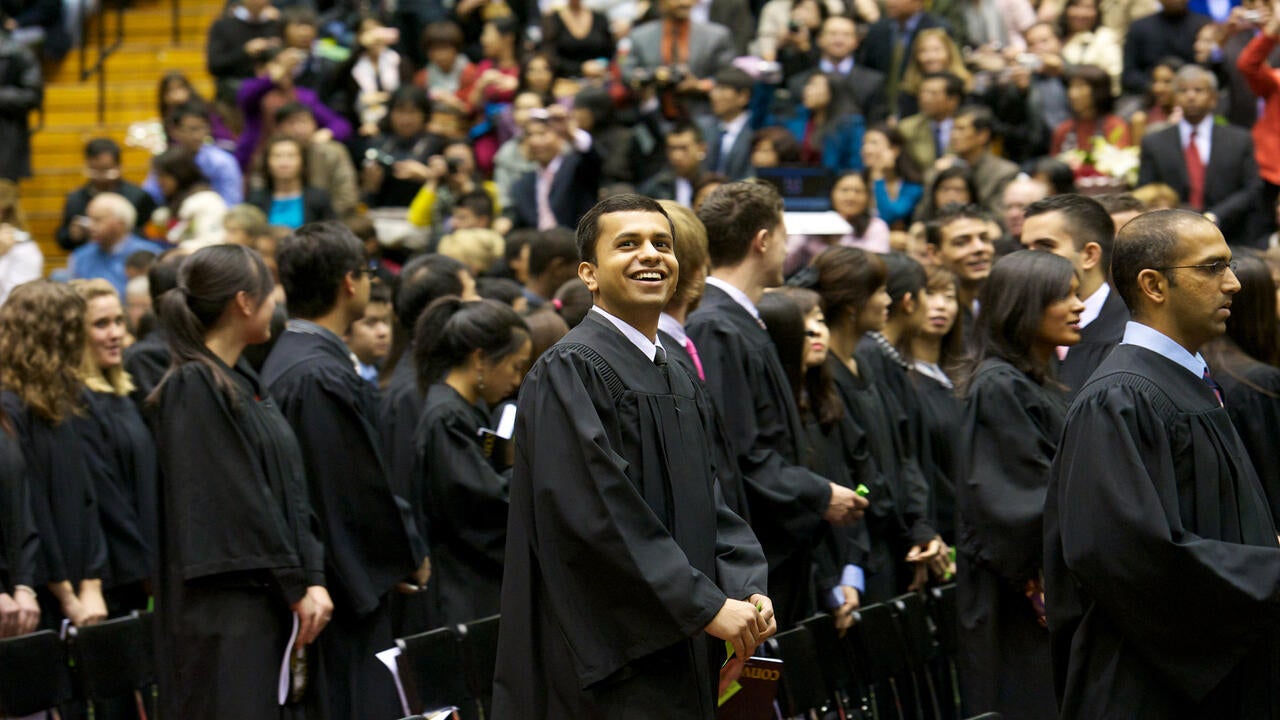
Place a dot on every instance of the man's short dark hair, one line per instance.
(1117, 203)
(478, 202)
(380, 292)
(101, 146)
(140, 260)
(589, 226)
(1086, 219)
(162, 276)
(443, 33)
(191, 108)
(299, 15)
(949, 214)
(733, 213)
(981, 117)
(312, 263)
(954, 85)
(684, 126)
(423, 280)
(549, 246)
(291, 109)
(1149, 241)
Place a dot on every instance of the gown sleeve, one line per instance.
(467, 497)
(21, 543)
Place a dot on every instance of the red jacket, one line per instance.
(1265, 82)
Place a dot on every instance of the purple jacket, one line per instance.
(249, 98)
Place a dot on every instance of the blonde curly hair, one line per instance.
(42, 340)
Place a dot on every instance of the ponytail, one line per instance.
(207, 282)
(449, 330)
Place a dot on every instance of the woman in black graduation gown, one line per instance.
(1244, 363)
(1013, 417)
(937, 347)
(468, 353)
(239, 562)
(19, 544)
(851, 285)
(41, 344)
(123, 453)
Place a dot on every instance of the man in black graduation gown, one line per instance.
(1162, 570)
(790, 505)
(1079, 229)
(622, 561)
(332, 410)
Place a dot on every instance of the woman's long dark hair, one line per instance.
(847, 277)
(905, 168)
(1013, 301)
(862, 220)
(304, 175)
(1251, 329)
(814, 389)
(208, 281)
(450, 329)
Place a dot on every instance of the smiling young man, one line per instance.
(625, 571)
(960, 240)
(1162, 569)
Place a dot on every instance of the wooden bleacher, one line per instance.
(132, 75)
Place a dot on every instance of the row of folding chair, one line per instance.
(897, 662)
(451, 665)
(95, 664)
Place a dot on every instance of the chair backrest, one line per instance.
(803, 688)
(837, 666)
(913, 622)
(432, 669)
(942, 602)
(480, 657)
(115, 657)
(33, 674)
(878, 648)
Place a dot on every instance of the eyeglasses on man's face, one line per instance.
(1213, 269)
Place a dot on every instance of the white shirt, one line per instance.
(672, 327)
(637, 338)
(24, 262)
(844, 67)
(684, 192)
(1093, 305)
(1204, 137)
(1145, 336)
(737, 295)
(731, 131)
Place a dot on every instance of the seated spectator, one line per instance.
(442, 75)
(1157, 196)
(477, 248)
(512, 159)
(927, 134)
(553, 261)
(950, 186)
(23, 91)
(538, 75)
(1159, 107)
(773, 147)
(286, 197)
(828, 125)
(384, 270)
(188, 128)
(261, 96)
(1055, 174)
(317, 71)
(137, 304)
(837, 43)
(934, 52)
(175, 90)
(567, 182)
(1172, 31)
(1088, 42)
(727, 129)
(971, 138)
(449, 176)
(851, 199)
(700, 48)
(372, 74)
(685, 151)
(192, 212)
(705, 187)
(243, 224)
(791, 25)
(490, 85)
(884, 39)
(1089, 93)
(472, 210)
(593, 108)
(578, 41)
(395, 159)
(111, 219)
(895, 177)
(988, 24)
(1030, 95)
(102, 167)
(329, 165)
(237, 41)
(20, 258)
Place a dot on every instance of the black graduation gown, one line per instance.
(123, 457)
(467, 505)
(839, 450)
(897, 517)
(237, 548)
(1011, 427)
(64, 502)
(19, 543)
(1251, 391)
(1097, 340)
(146, 362)
(1162, 571)
(332, 412)
(620, 549)
(750, 389)
(942, 412)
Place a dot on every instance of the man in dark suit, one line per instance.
(685, 150)
(566, 182)
(1079, 229)
(728, 131)
(837, 41)
(677, 41)
(888, 44)
(1210, 166)
(1172, 31)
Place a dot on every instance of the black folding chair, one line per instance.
(942, 607)
(881, 662)
(836, 662)
(480, 657)
(917, 636)
(33, 674)
(116, 659)
(432, 671)
(802, 686)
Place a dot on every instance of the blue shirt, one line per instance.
(288, 212)
(219, 167)
(91, 261)
(1145, 336)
